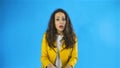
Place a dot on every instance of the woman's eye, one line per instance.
(57, 19)
(63, 19)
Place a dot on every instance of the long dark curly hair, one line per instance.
(68, 33)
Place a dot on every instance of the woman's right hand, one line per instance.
(51, 66)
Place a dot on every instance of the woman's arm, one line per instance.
(44, 55)
(74, 56)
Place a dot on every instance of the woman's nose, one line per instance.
(61, 21)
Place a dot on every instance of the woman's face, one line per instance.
(60, 21)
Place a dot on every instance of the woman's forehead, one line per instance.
(59, 14)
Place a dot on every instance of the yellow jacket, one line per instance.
(67, 56)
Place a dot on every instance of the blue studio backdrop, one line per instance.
(95, 22)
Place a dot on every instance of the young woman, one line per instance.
(59, 44)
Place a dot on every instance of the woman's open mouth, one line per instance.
(61, 26)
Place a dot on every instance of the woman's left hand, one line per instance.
(68, 66)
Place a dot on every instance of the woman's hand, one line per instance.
(68, 66)
(51, 66)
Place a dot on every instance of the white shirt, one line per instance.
(58, 61)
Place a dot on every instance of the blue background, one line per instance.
(96, 23)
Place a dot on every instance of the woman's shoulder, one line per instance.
(44, 36)
(75, 37)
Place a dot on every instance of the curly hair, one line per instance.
(68, 33)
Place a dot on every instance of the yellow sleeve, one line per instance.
(44, 55)
(74, 55)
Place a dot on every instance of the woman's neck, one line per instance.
(60, 33)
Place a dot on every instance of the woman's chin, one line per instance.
(60, 31)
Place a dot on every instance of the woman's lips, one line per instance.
(61, 26)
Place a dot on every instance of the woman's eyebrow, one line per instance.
(63, 16)
(57, 17)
